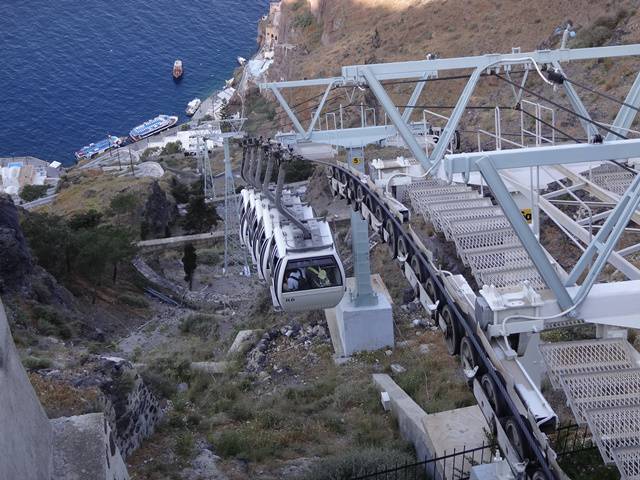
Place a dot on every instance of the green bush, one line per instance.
(209, 256)
(29, 193)
(172, 148)
(184, 444)
(133, 300)
(123, 385)
(36, 363)
(200, 324)
(49, 321)
(231, 443)
(148, 153)
(303, 20)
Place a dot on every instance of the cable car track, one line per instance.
(509, 417)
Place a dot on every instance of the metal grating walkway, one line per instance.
(601, 380)
(628, 462)
(615, 428)
(589, 391)
(484, 238)
(586, 356)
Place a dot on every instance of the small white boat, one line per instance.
(192, 106)
(242, 60)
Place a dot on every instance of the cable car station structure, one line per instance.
(512, 288)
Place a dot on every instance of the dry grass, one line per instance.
(94, 190)
(62, 400)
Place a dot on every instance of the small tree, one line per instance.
(201, 217)
(189, 262)
(172, 148)
(180, 191)
(121, 247)
(123, 205)
(29, 193)
(225, 116)
(88, 219)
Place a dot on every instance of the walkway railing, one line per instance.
(566, 441)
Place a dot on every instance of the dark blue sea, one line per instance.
(74, 71)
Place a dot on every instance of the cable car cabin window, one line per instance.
(310, 274)
(274, 259)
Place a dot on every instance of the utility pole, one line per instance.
(234, 254)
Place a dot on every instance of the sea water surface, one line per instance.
(75, 71)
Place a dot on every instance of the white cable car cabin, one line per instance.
(306, 274)
(263, 241)
(254, 225)
(244, 206)
(247, 216)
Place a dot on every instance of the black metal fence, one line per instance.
(455, 465)
(566, 441)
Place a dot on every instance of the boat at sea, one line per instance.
(153, 126)
(193, 106)
(177, 69)
(94, 149)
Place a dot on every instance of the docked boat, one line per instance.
(193, 106)
(242, 61)
(94, 149)
(177, 69)
(153, 126)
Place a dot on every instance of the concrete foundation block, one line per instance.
(456, 429)
(84, 447)
(492, 471)
(213, 368)
(243, 342)
(25, 432)
(361, 328)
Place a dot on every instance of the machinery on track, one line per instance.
(496, 208)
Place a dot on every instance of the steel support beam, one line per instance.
(597, 191)
(292, 116)
(577, 105)
(626, 115)
(415, 96)
(551, 155)
(529, 241)
(316, 115)
(449, 130)
(518, 94)
(578, 231)
(415, 69)
(606, 239)
(391, 110)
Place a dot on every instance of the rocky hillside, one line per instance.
(330, 33)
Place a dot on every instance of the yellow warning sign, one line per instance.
(526, 213)
(356, 160)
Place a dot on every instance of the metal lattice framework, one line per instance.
(499, 258)
(628, 462)
(483, 241)
(589, 391)
(509, 277)
(448, 217)
(615, 428)
(435, 210)
(467, 226)
(235, 256)
(587, 356)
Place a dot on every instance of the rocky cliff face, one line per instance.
(16, 263)
(158, 215)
